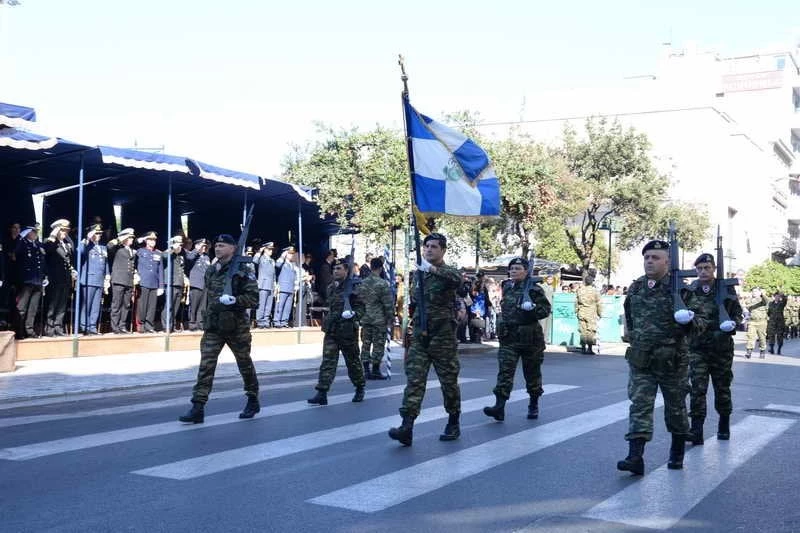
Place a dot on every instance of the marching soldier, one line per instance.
(656, 358)
(226, 322)
(791, 315)
(265, 267)
(95, 274)
(710, 349)
(151, 281)
(58, 254)
(776, 324)
(588, 308)
(378, 318)
(521, 337)
(197, 262)
(123, 265)
(287, 283)
(30, 258)
(755, 306)
(436, 345)
(175, 279)
(341, 334)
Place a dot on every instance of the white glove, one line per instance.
(527, 306)
(74, 275)
(227, 299)
(728, 326)
(1, 283)
(684, 316)
(45, 282)
(424, 266)
(159, 292)
(347, 314)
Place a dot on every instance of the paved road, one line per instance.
(120, 461)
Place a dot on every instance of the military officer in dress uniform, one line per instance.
(94, 275)
(122, 258)
(176, 280)
(197, 262)
(59, 251)
(151, 281)
(33, 278)
(287, 283)
(265, 267)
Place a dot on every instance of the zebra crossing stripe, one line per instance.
(218, 462)
(663, 496)
(134, 408)
(42, 449)
(392, 489)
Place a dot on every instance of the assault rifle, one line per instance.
(676, 274)
(348, 281)
(530, 281)
(721, 284)
(240, 258)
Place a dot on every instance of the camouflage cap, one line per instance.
(655, 245)
(704, 258)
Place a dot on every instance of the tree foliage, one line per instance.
(772, 276)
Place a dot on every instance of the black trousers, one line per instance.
(29, 297)
(146, 310)
(57, 298)
(197, 306)
(120, 307)
(176, 303)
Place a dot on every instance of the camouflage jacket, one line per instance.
(701, 299)
(335, 301)
(510, 312)
(440, 293)
(245, 289)
(588, 304)
(649, 314)
(791, 313)
(377, 297)
(757, 307)
(775, 313)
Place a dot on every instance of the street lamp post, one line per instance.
(608, 225)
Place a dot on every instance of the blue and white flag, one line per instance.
(451, 174)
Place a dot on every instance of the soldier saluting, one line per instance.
(93, 258)
(226, 322)
(151, 281)
(197, 262)
(122, 258)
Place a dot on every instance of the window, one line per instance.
(780, 62)
(796, 99)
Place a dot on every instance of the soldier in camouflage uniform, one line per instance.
(435, 345)
(791, 315)
(755, 306)
(341, 333)
(521, 337)
(657, 357)
(776, 324)
(710, 349)
(378, 317)
(226, 322)
(588, 309)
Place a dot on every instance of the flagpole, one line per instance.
(420, 303)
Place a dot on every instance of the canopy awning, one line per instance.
(15, 116)
(25, 140)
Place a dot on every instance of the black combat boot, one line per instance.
(367, 373)
(724, 427)
(761, 355)
(453, 429)
(583, 349)
(780, 347)
(498, 410)
(320, 398)
(589, 349)
(695, 435)
(358, 396)
(676, 451)
(748, 353)
(405, 433)
(634, 463)
(376, 372)
(533, 408)
(251, 408)
(772, 347)
(196, 414)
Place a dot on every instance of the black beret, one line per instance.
(340, 261)
(704, 258)
(656, 245)
(226, 238)
(519, 261)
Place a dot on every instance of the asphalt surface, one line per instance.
(121, 461)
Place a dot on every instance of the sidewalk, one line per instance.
(56, 379)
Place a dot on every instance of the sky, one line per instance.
(235, 83)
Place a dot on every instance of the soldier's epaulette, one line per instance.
(694, 285)
(506, 283)
(636, 285)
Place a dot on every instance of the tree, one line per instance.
(619, 181)
(772, 276)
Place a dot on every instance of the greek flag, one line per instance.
(451, 174)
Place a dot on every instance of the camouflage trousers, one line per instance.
(716, 364)
(439, 348)
(775, 333)
(651, 368)
(587, 328)
(331, 345)
(211, 345)
(507, 356)
(373, 343)
(756, 330)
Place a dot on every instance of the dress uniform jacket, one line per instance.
(151, 271)
(195, 267)
(30, 262)
(58, 255)
(122, 264)
(94, 264)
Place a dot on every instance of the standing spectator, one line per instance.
(123, 266)
(151, 281)
(287, 284)
(59, 252)
(197, 262)
(93, 258)
(265, 268)
(325, 275)
(33, 279)
(364, 271)
(175, 281)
